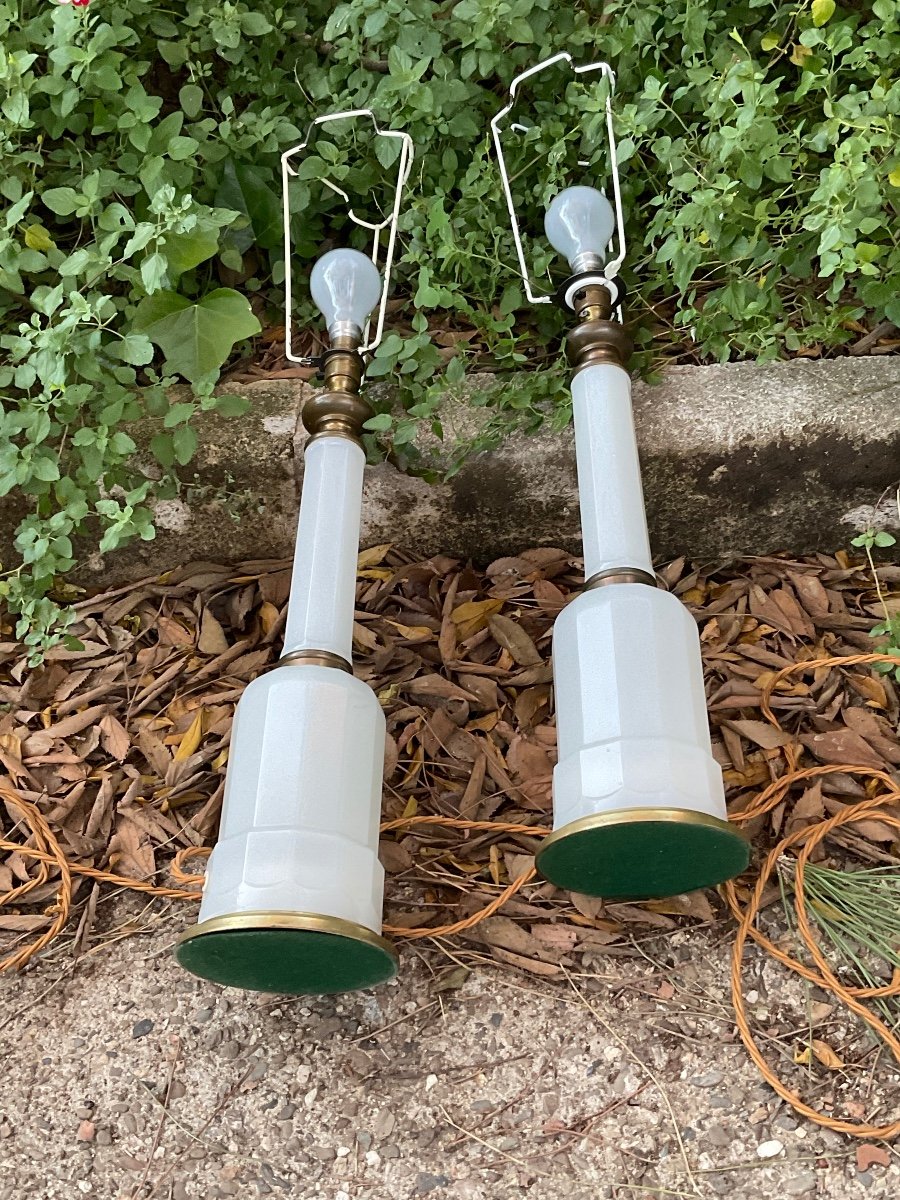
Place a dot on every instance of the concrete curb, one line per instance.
(737, 459)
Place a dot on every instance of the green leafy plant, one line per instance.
(140, 212)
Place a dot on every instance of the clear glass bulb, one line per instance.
(579, 224)
(346, 286)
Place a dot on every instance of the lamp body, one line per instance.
(613, 524)
(293, 892)
(323, 579)
(638, 800)
(299, 829)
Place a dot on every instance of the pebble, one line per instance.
(799, 1185)
(141, 1028)
(342, 1151)
(625, 1082)
(390, 1151)
(373, 1158)
(86, 1131)
(426, 1182)
(202, 1015)
(323, 1153)
(180, 1192)
(712, 1079)
(286, 1112)
(363, 1139)
(769, 1149)
(84, 1113)
(718, 1135)
(230, 1051)
(104, 1137)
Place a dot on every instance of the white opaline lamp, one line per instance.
(638, 800)
(292, 900)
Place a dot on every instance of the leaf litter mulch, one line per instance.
(122, 748)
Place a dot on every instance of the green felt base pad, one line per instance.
(643, 860)
(287, 961)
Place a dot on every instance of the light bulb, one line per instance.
(579, 224)
(346, 286)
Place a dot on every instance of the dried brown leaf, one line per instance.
(114, 737)
(512, 637)
(842, 746)
(212, 639)
(761, 732)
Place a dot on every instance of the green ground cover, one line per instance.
(140, 236)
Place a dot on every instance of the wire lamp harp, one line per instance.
(505, 123)
(289, 162)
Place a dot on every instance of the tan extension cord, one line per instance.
(48, 853)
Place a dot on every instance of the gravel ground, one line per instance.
(627, 1081)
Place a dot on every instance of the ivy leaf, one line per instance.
(184, 251)
(246, 190)
(894, 177)
(196, 337)
(822, 11)
(769, 41)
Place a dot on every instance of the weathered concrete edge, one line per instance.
(737, 459)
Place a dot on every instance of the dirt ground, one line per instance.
(127, 1078)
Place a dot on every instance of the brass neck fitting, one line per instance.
(597, 338)
(314, 658)
(619, 575)
(339, 410)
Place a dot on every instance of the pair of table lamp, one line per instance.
(292, 901)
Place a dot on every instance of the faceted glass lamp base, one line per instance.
(643, 853)
(287, 953)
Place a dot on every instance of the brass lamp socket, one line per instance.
(339, 410)
(597, 338)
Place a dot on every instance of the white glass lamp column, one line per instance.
(638, 800)
(293, 894)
